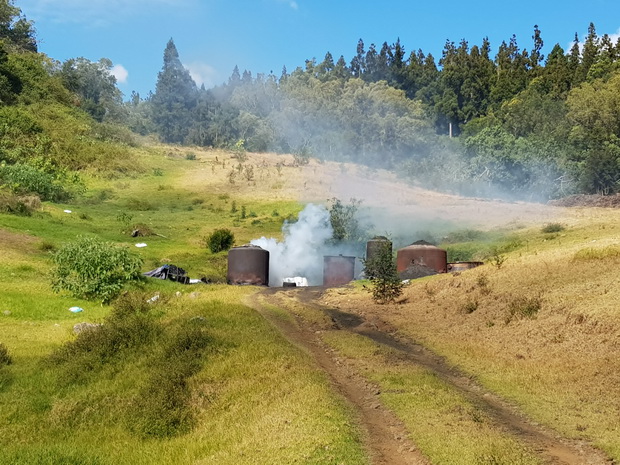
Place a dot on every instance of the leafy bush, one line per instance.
(25, 179)
(220, 239)
(91, 269)
(344, 221)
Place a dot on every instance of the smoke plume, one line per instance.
(305, 244)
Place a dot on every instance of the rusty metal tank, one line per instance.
(338, 270)
(422, 254)
(457, 267)
(248, 264)
(376, 245)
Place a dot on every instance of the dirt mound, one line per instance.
(584, 200)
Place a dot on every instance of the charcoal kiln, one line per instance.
(338, 270)
(249, 265)
(457, 267)
(421, 259)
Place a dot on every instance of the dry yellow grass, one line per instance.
(557, 358)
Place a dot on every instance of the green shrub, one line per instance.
(219, 240)
(25, 179)
(5, 358)
(381, 270)
(552, 228)
(91, 269)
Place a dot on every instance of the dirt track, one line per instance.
(386, 438)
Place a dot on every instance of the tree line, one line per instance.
(514, 123)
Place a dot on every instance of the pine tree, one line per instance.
(174, 99)
(535, 56)
(358, 63)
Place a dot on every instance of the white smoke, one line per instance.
(301, 252)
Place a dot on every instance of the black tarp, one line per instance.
(171, 272)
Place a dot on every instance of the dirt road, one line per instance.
(386, 438)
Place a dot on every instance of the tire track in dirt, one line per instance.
(381, 426)
(383, 434)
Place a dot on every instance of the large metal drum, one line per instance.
(422, 254)
(248, 264)
(338, 270)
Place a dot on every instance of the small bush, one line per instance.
(5, 358)
(220, 240)
(469, 307)
(386, 284)
(497, 258)
(552, 228)
(91, 269)
(190, 156)
(46, 246)
(15, 204)
(139, 204)
(524, 307)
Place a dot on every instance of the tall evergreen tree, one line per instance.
(557, 75)
(174, 99)
(536, 57)
(358, 63)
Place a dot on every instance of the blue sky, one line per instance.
(262, 36)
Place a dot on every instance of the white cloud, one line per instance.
(120, 73)
(202, 73)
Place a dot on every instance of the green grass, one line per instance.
(243, 395)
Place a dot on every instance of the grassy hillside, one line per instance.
(196, 377)
(537, 324)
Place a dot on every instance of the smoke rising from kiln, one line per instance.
(299, 253)
(306, 243)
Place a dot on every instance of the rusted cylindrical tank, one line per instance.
(338, 270)
(462, 266)
(422, 254)
(376, 245)
(248, 264)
